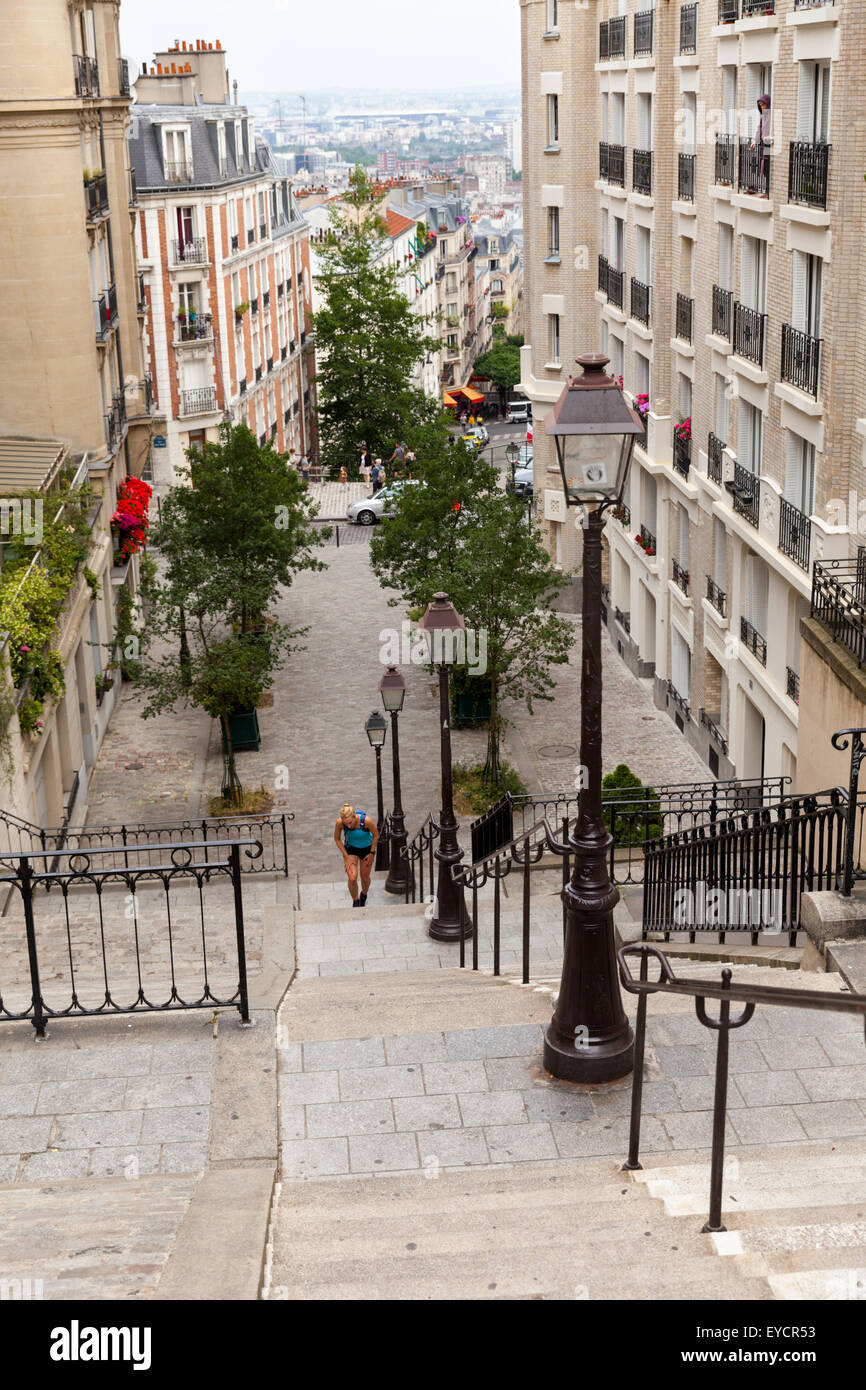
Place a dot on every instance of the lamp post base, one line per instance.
(597, 1059)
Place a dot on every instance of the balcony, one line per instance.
(745, 490)
(190, 252)
(615, 287)
(178, 171)
(284, 352)
(611, 163)
(193, 328)
(726, 163)
(642, 170)
(723, 305)
(801, 359)
(758, 7)
(133, 188)
(715, 448)
(729, 11)
(123, 78)
(713, 724)
(254, 304)
(270, 364)
(684, 317)
(640, 302)
(753, 641)
(679, 701)
(682, 454)
(281, 290)
(716, 596)
(795, 534)
(680, 576)
(266, 298)
(86, 76)
(649, 546)
(603, 274)
(749, 332)
(792, 685)
(259, 374)
(686, 178)
(839, 602)
(808, 167)
(201, 401)
(142, 297)
(604, 41)
(96, 197)
(688, 28)
(251, 235)
(105, 312)
(642, 42)
(753, 169)
(616, 37)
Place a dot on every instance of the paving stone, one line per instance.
(508, 1073)
(95, 1130)
(98, 1063)
(77, 1097)
(347, 1052)
(767, 1124)
(349, 1117)
(684, 1061)
(782, 1055)
(416, 1047)
(453, 1148)
(290, 1056)
(25, 1134)
(51, 1167)
(19, 1100)
(601, 1137)
(337, 968)
(388, 965)
(519, 1143)
(844, 1051)
(770, 1088)
(451, 1077)
(383, 1153)
(155, 1092)
(493, 1108)
(182, 1124)
(517, 1041)
(745, 1055)
(698, 1093)
(130, 1163)
(192, 1055)
(368, 1083)
(309, 1087)
(9, 1164)
(556, 1103)
(39, 1062)
(183, 1158)
(293, 1122)
(426, 1112)
(835, 1083)
(834, 1119)
(616, 1100)
(692, 1129)
(314, 1158)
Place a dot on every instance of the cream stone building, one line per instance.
(224, 259)
(722, 274)
(75, 401)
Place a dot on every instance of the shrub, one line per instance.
(472, 796)
(640, 818)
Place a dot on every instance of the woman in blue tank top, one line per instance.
(356, 836)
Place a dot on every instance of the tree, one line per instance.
(369, 341)
(501, 365)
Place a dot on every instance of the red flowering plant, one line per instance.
(684, 429)
(641, 405)
(646, 546)
(130, 520)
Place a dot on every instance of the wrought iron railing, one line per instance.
(801, 359)
(642, 170)
(758, 7)
(713, 725)
(749, 330)
(616, 42)
(715, 450)
(795, 533)
(642, 42)
(86, 76)
(679, 701)
(686, 178)
(753, 167)
(716, 596)
(178, 171)
(616, 165)
(123, 77)
(648, 539)
(616, 287)
(419, 852)
(808, 167)
(753, 641)
(603, 272)
(682, 453)
(193, 327)
(604, 40)
(729, 11)
(723, 303)
(839, 602)
(685, 314)
(640, 301)
(190, 251)
(96, 196)
(725, 159)
(745, 490)
(680, 576)
(200, 401)
(792, 685)
(688, 28)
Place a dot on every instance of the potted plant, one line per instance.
(240, 310)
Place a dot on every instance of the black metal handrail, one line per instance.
(801, 359)
(680, 576)
(795, 533)
(725, 159)
(685, 314)
(688, 28)
(745, 490)
(723, 304)
(839, 603)
(415, 851)
(616, 37)
(727, 993)
(753, 166)
(686, 178)
(642, 170)
(616, 165)
(682, 454)
(680, 701)
(808, 169)
(716, 596)
(749, 330)
(640, 301)
(715, 449)
(603, 273)
(642, 41)
(753, 640)
(714, 727)
(792, 685)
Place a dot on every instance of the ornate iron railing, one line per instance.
(714, 727)
(680, 576)
(615, 287)
(418, 851)
(200, 401)
(753, 641)
(682, 454)
(640, 301)
(792, 685)
(808, 168)
(715, 449)
(191, 251)
(801, 359)
(725, 159)
(729, 11)
(642, 41)
(749, 331)
(688, 28)
(753, 166)
(758, 7)
(716, 596)
(604, 40)
(616, 165)
(839, 602)
(603, 272)
(642, 170)
(679, 700)
(616, 42)
(686, 178)
(745, 490)
(191, 328)
(723, 303)
(648, 538)
(795, 533)
(685, 314)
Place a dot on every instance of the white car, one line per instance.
(371, 509)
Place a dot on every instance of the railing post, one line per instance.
(243, 1002)
(858, 750)
(496, 921)
(633, 1161)
(285, 846)
(25, 875)
(526, 911)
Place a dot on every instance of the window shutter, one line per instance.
(814, 280)
(761, 587)
(684, 538)
(794, 471)
(726, 256)
(680, 664)
(729, 98)
(806, 98)
(605, 117)
(808, 478)
(753, 78)
(824, 104)
(744, 437)
(722, 411)
(747, 271)
(720, 554)
(798, 302)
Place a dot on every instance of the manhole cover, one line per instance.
(557, 750)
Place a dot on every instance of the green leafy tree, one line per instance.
(501, 365)
(368, 339)
(632, 812)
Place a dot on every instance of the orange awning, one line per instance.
(468, 391)
(449, 401)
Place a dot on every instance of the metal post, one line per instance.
(399, 867)
(858, 751)
(243, 1001)
(382, 846)
(449, 917)
(633, 1161)
(25, 875)
(589, 1009)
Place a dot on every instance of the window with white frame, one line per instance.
(813, 102)
(726, 256)
(553, 231)
(800, 474)
(552, 120)
(617, 355)
(683, 553)
(681, 665)
(641, 374)
(617, 118)
(643, 267)
(644, 121)
(750, 431)
(552, 16)
(756, 592)
(723, 409)
(177, 156)
(720, 554)
(753, 273)
(808, 277)
(554, 339)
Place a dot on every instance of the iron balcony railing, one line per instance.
(201, 401)
(133, 187)
(123, 77)
(682, 454)
(688, 28)
(615, 287)
(235, 242)
(191, 251)
(604, 40)
(808, 168)
(178, 171)
(801, 359)
(729, 11)
(193, 327)
(749, 330)
(96, 197)
(142, 297)
(616, 37)
(105, 308)
(259, 373)
(685, 314)
(266, 298)
(679, 701)
(251, 235)
(713, 724)
(147, 386)
(795, 534)
(716, 596)
(624, 619)
(242, 386)
(758, 7)
(753, 641)
(745, 490)
(680, 576)
(723, 303)
(270, 366)
(648, 539)
(642, 171)
(86, 76)
(263, 231)
(839, 602)
(616, 165)
(753, 167)
(792, 685)
(642, 42)
(686, 178)
(603, 273)
(640, 301)
(254, 304)
(725, 160)
(715, 449)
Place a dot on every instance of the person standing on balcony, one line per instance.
(762, 142)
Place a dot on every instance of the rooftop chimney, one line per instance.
(184, 45)
(218, 44)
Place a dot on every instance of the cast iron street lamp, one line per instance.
(589, 1038)
(392, 688)
(442, 626)
(512, 453)
(376, 730)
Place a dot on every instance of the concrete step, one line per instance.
(820, 1285)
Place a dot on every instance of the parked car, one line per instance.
(523, 481)
(477, 435)
(371, 509)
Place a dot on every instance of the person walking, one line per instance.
(410, 463)
(366, 464)
(344, 477)
(378, 477)
(356, 837)
(397, 458)
(304, 467)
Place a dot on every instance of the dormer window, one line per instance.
(177, 155)
(239, 145)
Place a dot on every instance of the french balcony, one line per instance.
(86, 76)
(254, 304)
(680, 576)
(281, 289)
(266, 298)
(642, 42)
(640, 302)
(251, 235)
(716, 596)
(142, 297)
(603, 274)
(745, 490)
(615, 287)
(749, 332)
(242, 386)
(235, 242)
(679, 701)
(725, 160)
(715, 449)
(604, 41)
(729, 11)
(682, 454)
(688, 28)
(753, 168)
(753, 641)
(686, 178)
(105, 312)
(192, 251)
(795, 534)
(178, 171)
(259, 374)
(649, 541)
(751, 8)
(839, 602)
(611, 163)
(684, 317)
(723, 306)
(642, 170)
(792, 685)
(123, 78)
(193, 328)
(96, 197)
(808, 167)
(616, 41)
(270, 364)
(200, 401)
(801, 359)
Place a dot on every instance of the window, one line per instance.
(683, 525)
(806, 303)
(641, 375)
(643, 267)
(689, 122)
(451, 309)
(178, 165)
(685, 390)
(552, 121)
(251, 282)
(493, 264)
(552, 16)
(720, 554)
(759, 79)
(185, 225)
(553, 231)
(813, 103)
(750, 437)
(616, 355)
(644, 121)
(497, 286)
(187, 296)
(617, 118)
(753, 273)
(726, 256)
(729, 99)
(494, 246)
(800, 474)
(681, 665)
(756, 593)
(554, 356)
(617, 247)
(723, 409)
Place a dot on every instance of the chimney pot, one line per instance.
(210, 47)
(184, 45)
(173, 68)
(218, 44)
(159, 68)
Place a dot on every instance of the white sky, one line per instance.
(305, 45)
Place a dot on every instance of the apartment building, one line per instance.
(716, 259)
(499, 253)
(224, 260)
(75, 401)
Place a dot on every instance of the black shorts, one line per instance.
(358, 854)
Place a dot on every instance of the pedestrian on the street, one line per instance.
(356, 837)
(366, 464)
(293, 459)
(410, 463)
(344, 477)
(304, 467)
(398, 457)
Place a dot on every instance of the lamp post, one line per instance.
(376, 729)
(589, 1038)
(512, 453)
(392, 688)
(442, 626)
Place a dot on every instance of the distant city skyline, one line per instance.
(279, 45)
